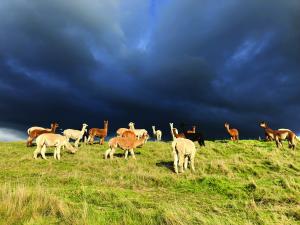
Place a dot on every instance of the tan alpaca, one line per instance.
(125, 143)
(52, 140)
(183, 150)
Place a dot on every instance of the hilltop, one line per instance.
(249, 182)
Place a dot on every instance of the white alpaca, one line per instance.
(138, 132)
(75, 134)
(171, 127)
(157, 133)
(52, 140)
(183, 150)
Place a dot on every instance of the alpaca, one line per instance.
(192, 131)
(96, 132)
(157, 133)
(75, 134)
(125, 143)
(183, 150)
(234, 133)
(52, 140)
(138, 132)
(34, 133)
(279, 135)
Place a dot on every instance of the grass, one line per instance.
(249, 182)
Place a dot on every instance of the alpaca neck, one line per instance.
(228, 130)
(105, 126)
(153, 129)
(53, 129)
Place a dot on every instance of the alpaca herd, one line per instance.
(128, 139)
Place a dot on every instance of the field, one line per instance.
(249, 182)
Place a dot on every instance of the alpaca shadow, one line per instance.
(168, 164)
(122, 155)
(221, 141)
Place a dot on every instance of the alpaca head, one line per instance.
(105, 122)
(226, 125)
(131, 124)
(171, 125)
(54, 125)
(84, 125)
(263, 124)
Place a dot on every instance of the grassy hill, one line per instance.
(249, 182)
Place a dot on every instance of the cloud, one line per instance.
(11, 135)
(201, 62)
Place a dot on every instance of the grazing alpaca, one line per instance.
(234, 133)
(138, 132)
(157, 133)
(192, 131)
(183, 150)
(96, 132)
(75, 134)
(125, 143)
(34, 133)
(52, 140)
(280, 135)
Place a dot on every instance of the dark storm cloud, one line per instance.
(151, 62)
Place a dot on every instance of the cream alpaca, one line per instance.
(157, 133)
(75, 134)
(52, 140)
(183, 150)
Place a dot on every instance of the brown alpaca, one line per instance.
(192, 131)
(35, 133)
(234, 133)
(97, 132)
(125, 143)
(279, 135)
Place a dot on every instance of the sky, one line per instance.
(192, 62)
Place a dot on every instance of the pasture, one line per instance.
(249, 182)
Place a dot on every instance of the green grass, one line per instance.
(249, 182)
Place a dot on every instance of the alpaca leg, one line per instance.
(175, 162)
(37, 151)
(55, 152)
(186, 159)
(43, 152)
(77, 142)
(181, 161)
(132, 153)
(102, 141)
(126, 154)
(58, 153)
(107, 152)
(111, 155)
(193, 162)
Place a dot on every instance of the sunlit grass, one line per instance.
(249, 182)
